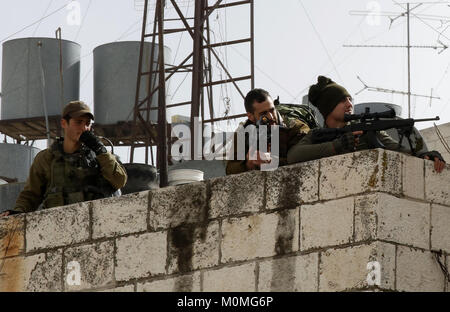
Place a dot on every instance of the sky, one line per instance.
(295, 41)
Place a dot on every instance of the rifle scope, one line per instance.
(367, 115)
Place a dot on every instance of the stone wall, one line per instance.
(313, 226)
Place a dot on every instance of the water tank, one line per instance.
(22, 79)
(16, 160)
(115, 74)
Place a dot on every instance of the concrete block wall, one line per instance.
(323, 225)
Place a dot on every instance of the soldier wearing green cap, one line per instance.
(73, 169)
(333, 102)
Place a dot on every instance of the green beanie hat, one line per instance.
(326, 94)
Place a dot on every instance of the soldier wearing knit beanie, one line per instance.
(326, 94)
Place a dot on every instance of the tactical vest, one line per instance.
(75, 178)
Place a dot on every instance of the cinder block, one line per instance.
(326, 224)
(175, 205)
(192, 248)
(120, 215)
(440, 226)
(418, 270)
(413, 177)
(382, 216)
(95, 264)
(236, 194)
(296, 273)
(12, 236)
(351, 268)
(239, 278)
(290, 186)
(437, 188)
(261, 235)
(354, 173)
(184, 283)
(141, 255)
(59, 226)
(41, 272)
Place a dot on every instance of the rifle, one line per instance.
(370, 123)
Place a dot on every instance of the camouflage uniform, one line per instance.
(57, 178)
(306, 150)
(291, 132)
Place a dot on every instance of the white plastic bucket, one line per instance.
(183, 176)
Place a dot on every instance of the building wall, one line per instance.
(322, 225)
(433, 142)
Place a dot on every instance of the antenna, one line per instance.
(408, 46)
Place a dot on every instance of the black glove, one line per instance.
(432, 155)
(345, 143)
(93, 142)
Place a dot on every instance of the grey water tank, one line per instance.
(22, 79)
(16, 160)
(115, 74)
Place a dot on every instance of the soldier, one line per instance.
(258, 103)
(333, 102)
(74, 169)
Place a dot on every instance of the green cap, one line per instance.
(76, 109)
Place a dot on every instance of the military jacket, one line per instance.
(57, 178)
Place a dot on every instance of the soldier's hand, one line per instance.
(4, 214)
(93, 142)
(254, 159)
(438, 164)
(347, 142)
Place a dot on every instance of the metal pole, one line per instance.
(162, 128)
(252, 43)
(197, 70)
(409, 63)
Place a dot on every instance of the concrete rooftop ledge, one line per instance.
(313, 226)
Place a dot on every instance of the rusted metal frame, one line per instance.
(58, 32)
(170, 75)
(183, 19)
(197, 73)
(209, 90)
(172, 105)
(227, 43)
(168, 31)
(226, 81)
(252, 44)
(226, 71)
(210, 10)
(138, 79)
(229, 4)
(162, 123)
(226, 118)
(150, 86)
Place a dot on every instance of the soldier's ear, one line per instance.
(63, 123)
(251, 117)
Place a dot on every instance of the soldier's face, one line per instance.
(344, 107)
(266, 108)
(75, 127)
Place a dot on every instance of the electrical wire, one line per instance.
(45, 12)
(82, 21)
(38, 21)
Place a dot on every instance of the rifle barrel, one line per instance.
(426, 119)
